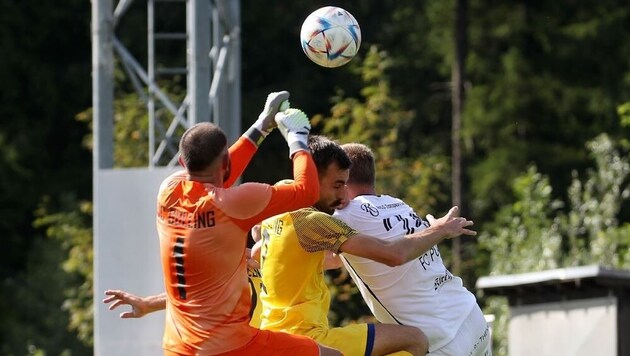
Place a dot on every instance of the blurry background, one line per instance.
(542, 155)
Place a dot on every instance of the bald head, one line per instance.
(201, 146)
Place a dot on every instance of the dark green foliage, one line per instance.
(45, 71)
(33, 317)
(543, 79)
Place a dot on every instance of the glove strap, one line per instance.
(254, 135)
(297, 146)
(297, 142)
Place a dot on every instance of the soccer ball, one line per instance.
(330, 36)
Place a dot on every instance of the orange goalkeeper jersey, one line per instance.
(203, 233)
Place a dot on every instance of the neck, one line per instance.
(355, 190)
(214, 178)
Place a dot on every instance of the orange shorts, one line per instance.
(277, 343)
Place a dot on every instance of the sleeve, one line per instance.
(245, 202)
(241, 153)
(351, 217)
(317, 231)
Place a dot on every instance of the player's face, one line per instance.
(332, 188)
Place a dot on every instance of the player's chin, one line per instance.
(336, 207)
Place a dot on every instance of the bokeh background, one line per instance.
(544, 92)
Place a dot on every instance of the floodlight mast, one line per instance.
(212, 70)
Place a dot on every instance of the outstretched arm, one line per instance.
(140, 306)
(409, 247)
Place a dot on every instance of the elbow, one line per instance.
(396, 257)
(307, 193)
(396, 261)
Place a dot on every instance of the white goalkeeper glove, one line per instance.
(276, 102)
(294, 127)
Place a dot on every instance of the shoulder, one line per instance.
(357, 207)
(173, 179)
(394, 199)
(315, 220)
(243, 201)
(249, 187)
(310, 214)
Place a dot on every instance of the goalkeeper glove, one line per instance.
(294, 127)
(278, 101)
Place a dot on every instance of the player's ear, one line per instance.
(226, 164)
(181, 161)
(226, 161)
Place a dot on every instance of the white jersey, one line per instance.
(420, 293)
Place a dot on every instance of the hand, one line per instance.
(139, 306)
(452, 225)
(254, 255)
(294, 127)
(332, 261)
(256, 233)
(252, 260)
(276, 102)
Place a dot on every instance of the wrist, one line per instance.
(255, 135)
(297, 142)
(155, 303)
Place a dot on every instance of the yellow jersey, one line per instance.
(294, 293)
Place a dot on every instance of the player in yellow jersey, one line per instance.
(295, 296)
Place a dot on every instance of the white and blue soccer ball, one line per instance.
(330, 36)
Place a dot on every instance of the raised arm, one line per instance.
(302, 192)
(409, 247)
(242, 151)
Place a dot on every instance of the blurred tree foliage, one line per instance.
(543, 82)
(544, 78)
(378, 119)
(45, 71)
(535, 233)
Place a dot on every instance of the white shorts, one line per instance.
(472, 338)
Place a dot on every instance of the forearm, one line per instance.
(415, 245)
(305, 175)
(155, 302)
(241, 153)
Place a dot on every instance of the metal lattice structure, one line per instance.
(212, 70)
(207, 55)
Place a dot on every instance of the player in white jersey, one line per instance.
(422, 292)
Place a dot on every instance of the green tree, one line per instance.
(46, 77)
(39, 319)
(526, 235)
(71, 229)
(593, 229)
(535, 233)
(378, 120)
(534, 96)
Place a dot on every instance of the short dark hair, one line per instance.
(201, 145)
(363, 170)
(326, 151)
